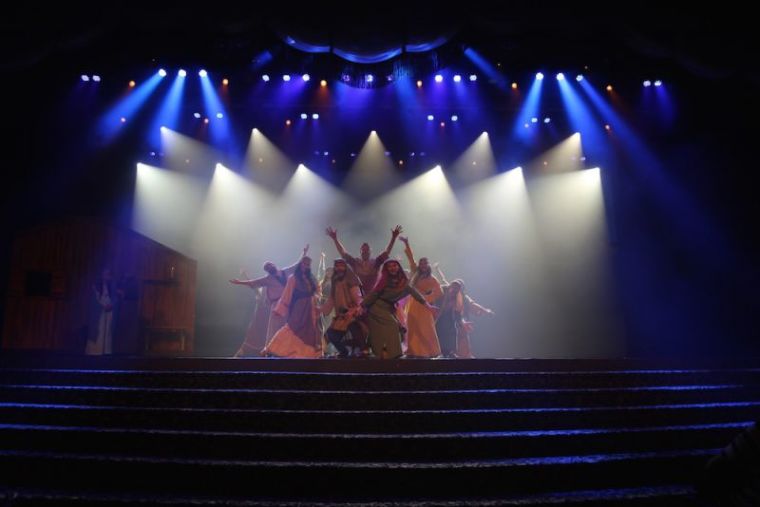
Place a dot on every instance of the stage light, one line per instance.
(315, 116)
(163, 129)
(457, 78)
(658, 83)
(473, 77)
(182, 73)
(202, 73)
(323, 83)
(514, 86)
(197, 115)
(132, 84)
(560, 77)
(454, 117)
(430, 117)
(205, 120)
(579, 77)
(123, 120)
(369, 78)
(389, 78)
(346, 78)
(225, 81)
(162, 72)
(219, 115)
(286, 77)
(607, 127)
(534, 120)
(438, 78)
(306, 77)
(419, 84)
(287, 122)
(609, 88)
(96, 78)
(647, 83)
(539, 76)
(265, 78)
(547, 120)
(304, 116)
(85, 77)
(443, 124)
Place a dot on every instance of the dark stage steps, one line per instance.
(363, 432)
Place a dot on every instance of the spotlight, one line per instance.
(647, 83)
(658, 83)
(419, 84)
(96, 78)
(286, 77)
(430, 117)
(443, 124)
(123, 120)
(163, 129)
(287, 122)
(454, 117)
(132, 84)
(197, 115)
(369, 78)
(306, 77)
(438, 78)
(579, 77)
(609, 88)
(389, 78)
(162, 72)
(315, 116)
(607, 127)
(326, 153)
(225, 81)
(85, 77)
(265, 78)
(485, 133)
(457, 78)
(560, 77)
(202, 73)
(547, 120)
(346, 78)
(473, 77)
(205, 120)
(219, 115)
(534, 120)
(514, 86)
(323, 83)
(304, 116)
(182, 73)
(539, 76)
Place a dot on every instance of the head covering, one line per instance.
(386, 280)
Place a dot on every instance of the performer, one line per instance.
(300, 336)
(265, 323)
(421, 336)
(453, 325)
(365, 267)
(384, 327)
(344, 297)
(102, 341)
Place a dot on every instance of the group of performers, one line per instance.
(361, 307)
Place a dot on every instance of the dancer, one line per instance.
(421, 336)
(300, 336)
(102, 341)
(344, 298)
(365, 267)
(265, 323)
(453, 327)
(384, 327)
